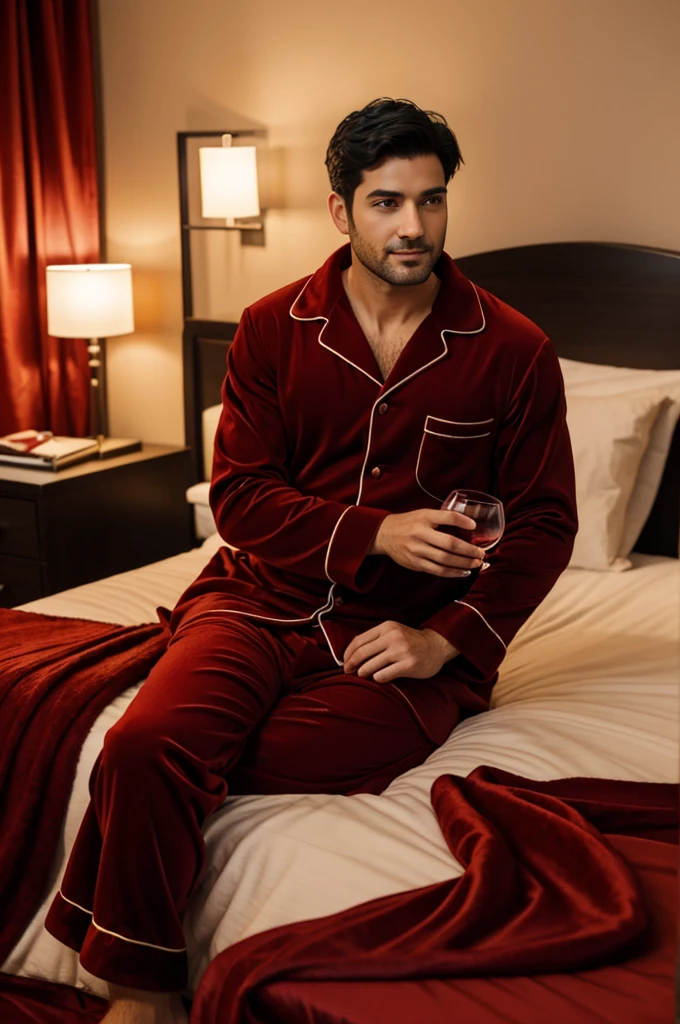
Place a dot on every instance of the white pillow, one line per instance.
(204, 523)
(609, 436)
(210, 418)
(596, 380)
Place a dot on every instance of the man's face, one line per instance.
(398, 222)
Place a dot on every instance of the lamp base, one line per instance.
(110, 447)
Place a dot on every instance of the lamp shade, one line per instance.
(229, 181)
(89, 300)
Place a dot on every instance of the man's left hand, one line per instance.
(392, 651)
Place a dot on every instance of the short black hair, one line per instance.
(384, 128)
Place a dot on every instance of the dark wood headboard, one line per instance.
(204, 354)
(599, 302)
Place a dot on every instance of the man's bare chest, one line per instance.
(387, 350)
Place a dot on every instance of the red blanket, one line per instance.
(56, 676)
(548, 887)
(543, 892)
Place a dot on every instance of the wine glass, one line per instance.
(487, 513)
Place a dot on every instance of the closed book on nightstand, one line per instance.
(53, 454)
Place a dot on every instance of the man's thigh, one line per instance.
(342, 734)
(214, 684)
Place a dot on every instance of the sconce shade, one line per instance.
(89, 300)
(229, 181)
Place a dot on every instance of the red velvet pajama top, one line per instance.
(313, 450)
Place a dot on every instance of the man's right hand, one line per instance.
(412, 539)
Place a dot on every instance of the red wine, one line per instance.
(479, 536)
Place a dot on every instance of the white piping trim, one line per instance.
(338, 661)
(77, 905)
(305, 319)
(447, 330)
(481, 310)
(456, 437)
(136, 942)
(459, 423)
(484, 621)
(340, 356)
(254, 615)
(424, 489)
(299, 296)
(383, 396)
(328, 549)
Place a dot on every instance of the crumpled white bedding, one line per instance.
(589, 687)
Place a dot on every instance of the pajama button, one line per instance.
(382, 408)
(338, 600)
(376, 472)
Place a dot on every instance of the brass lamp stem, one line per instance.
(96, 397)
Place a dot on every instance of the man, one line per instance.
(339, 638)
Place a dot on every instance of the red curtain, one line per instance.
(48, 205)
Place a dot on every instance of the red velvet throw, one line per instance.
(56, 676)
(543, 892)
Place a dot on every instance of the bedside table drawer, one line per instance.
(20, 581)
(19, 528)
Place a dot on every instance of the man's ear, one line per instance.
(338, 212)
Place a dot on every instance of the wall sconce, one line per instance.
(229, 183)
(229, 190)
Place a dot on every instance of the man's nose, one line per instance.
(410, 224)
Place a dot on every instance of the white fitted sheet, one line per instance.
(589, 687)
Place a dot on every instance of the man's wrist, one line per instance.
(376, 547)
(447, 649)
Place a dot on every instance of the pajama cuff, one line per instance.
(470, 633)
(112, 957)
(347, 563)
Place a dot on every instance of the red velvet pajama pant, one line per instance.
(231, 707)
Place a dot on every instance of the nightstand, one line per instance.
(61, 529)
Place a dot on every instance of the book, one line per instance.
(42, 450)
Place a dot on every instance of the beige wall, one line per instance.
(566, 113)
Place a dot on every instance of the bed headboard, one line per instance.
(204, 352)
(599, 302)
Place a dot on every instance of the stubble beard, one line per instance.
(379, 263)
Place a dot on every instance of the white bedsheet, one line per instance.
(589, 687)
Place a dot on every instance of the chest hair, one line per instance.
(387, 351)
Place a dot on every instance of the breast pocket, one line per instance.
(452, 454)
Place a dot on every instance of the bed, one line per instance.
(589, 687)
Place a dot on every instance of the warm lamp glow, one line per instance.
(89, 300)
(229, 182)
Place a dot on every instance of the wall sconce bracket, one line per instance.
(252, 229)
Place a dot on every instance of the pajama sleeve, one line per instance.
(535, 480)
(256, 508)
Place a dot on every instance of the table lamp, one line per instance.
(93, 301)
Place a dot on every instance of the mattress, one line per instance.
(588, 688)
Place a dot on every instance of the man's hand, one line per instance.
(412, 539)
(392, 651)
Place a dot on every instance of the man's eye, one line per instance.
(383, 201)
(436, 200)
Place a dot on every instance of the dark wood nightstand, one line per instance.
(58, 530)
